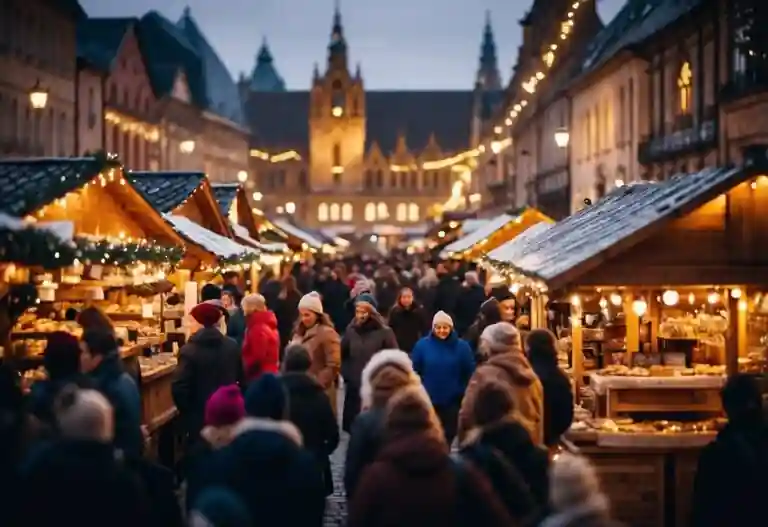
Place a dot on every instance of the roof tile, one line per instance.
(166, 190)
(225, 194)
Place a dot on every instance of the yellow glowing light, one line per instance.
(337, 111)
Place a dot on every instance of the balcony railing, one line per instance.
(686, 137)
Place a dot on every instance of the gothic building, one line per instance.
(347, 159)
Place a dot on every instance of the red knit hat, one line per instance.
(225, 407)
(206, 314)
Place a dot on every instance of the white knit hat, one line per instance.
(441, 317)
(311, 302)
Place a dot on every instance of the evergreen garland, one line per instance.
(244, 258)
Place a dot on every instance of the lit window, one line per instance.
(413, 212)
(402, 212)
(370, 212)
(685, 87)
(346, 212)
(335, 214)
(322, 212)
(382, 212)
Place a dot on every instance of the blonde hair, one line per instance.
(84, 414)
(253, 302)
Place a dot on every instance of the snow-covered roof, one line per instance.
(296, 232)
(468, 241)
(549, 253)
(210, 241)
(274, 247)
(505, 252)
(64, 230)
(473, 224)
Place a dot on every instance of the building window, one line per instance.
(379, 178)
(322, 212)
(337, 155)
(370, 212)
(414, 180)
(368, 179)
(393, 179)
(404, 180)
(402, 212)
(335, 212)
(346, 212)
(382, 212)
(413, 212)
(685, 87)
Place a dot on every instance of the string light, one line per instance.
(132, 126)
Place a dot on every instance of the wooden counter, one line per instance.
(647, 487)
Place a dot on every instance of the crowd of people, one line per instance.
(427, 358)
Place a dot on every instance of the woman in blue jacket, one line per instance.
(445, 364)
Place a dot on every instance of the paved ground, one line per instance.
(336, 508)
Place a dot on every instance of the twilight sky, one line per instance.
(401, 44)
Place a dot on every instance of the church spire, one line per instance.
(265, 55)
(488, 76)
(337, 48)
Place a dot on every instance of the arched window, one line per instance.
(337, 155)
(413, 212)
(335, 213)
(322, 212)
(382, 212)
(370, 212)
(685, 87)
(401, 212)
(346, 212)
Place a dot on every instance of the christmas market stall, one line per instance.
(664, 284)
(302, 242)
(111, 262)
(493, 233)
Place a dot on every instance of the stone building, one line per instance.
(344, 158)
(38, 50)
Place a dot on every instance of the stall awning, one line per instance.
(296, 232)
(472, 224)
(478, 235)
(242, 233)
(626, 216)
(210, 241)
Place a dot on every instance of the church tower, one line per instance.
(489, 90)
(337, 119)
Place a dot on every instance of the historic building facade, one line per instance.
(38, 54)
(347, 159)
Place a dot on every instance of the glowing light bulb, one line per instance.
(616, 299)
(639, 307)
(670, 297)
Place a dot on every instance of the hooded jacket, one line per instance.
(445, 367)
(261, 347)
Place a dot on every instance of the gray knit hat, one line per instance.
(501, 337)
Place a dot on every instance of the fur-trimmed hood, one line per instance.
(285, 428)
(397, 358)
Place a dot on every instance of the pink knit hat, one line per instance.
(225, 407)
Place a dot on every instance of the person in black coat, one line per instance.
(489, 314)
(447, 291)
(732, 474)
(208, 361)
(541, 346)
(310, 410)
(409, 320)
(471, 297)
(286, 309)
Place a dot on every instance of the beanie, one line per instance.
(493, 403)
(360, 286)
(267, 398)
(225, 407)
(573, 481)
(210, 292)
(62, 354)
(220, 507)
(501, 337)
(207, 315)
(312, 302)
(366, 298)
(441, 317)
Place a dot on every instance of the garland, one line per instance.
(122, 254)
(244, 258)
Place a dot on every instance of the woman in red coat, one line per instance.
(261, 346)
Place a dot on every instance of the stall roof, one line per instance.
(214, 243)
(623, 218)
(473, 224)
(296, 232)
(225, 194)
(242, 233)
(476, 236)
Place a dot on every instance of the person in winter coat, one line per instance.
(315, 332)
(490, 313)
(310, 410)
(471, 297)
(220, 507)
(265, 464)
(445, 364)
(414, 482)
(100, 361)
(388, 372)
(503, 450)
(334, 294)
(508, 306)
(231, 301)
(367, 335)
(427, 290)
(575, 495)
(270, 287)
(211, 294)
(732, 474)
(409, 320)
(506, 363)
(61, 360)
(208, 361)
(261, 348)
(447, 291)
(286, 309)
(541, 348)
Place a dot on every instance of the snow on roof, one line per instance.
(210, 241)
(513, 247)
(548, 253)
(296, 232)
(64, 230)
(482, 232)
(473, 224)
(242, 233)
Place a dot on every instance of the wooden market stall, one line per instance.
(118, 256)
(302, 242)
(662, 280)
(495, 232)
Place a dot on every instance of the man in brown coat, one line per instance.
(507, 364)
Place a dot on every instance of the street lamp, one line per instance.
(187, 147)
(562, 137)
(496, 146)
(290, 207)
(38, 96)
(257, 196)
(242, 176)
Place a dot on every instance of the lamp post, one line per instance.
(562, 137)
(38, 96)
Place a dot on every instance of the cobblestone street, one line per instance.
(336, 508)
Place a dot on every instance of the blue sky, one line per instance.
(401, 44)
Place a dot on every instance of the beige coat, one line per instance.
(514, 370)
(324, 347)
